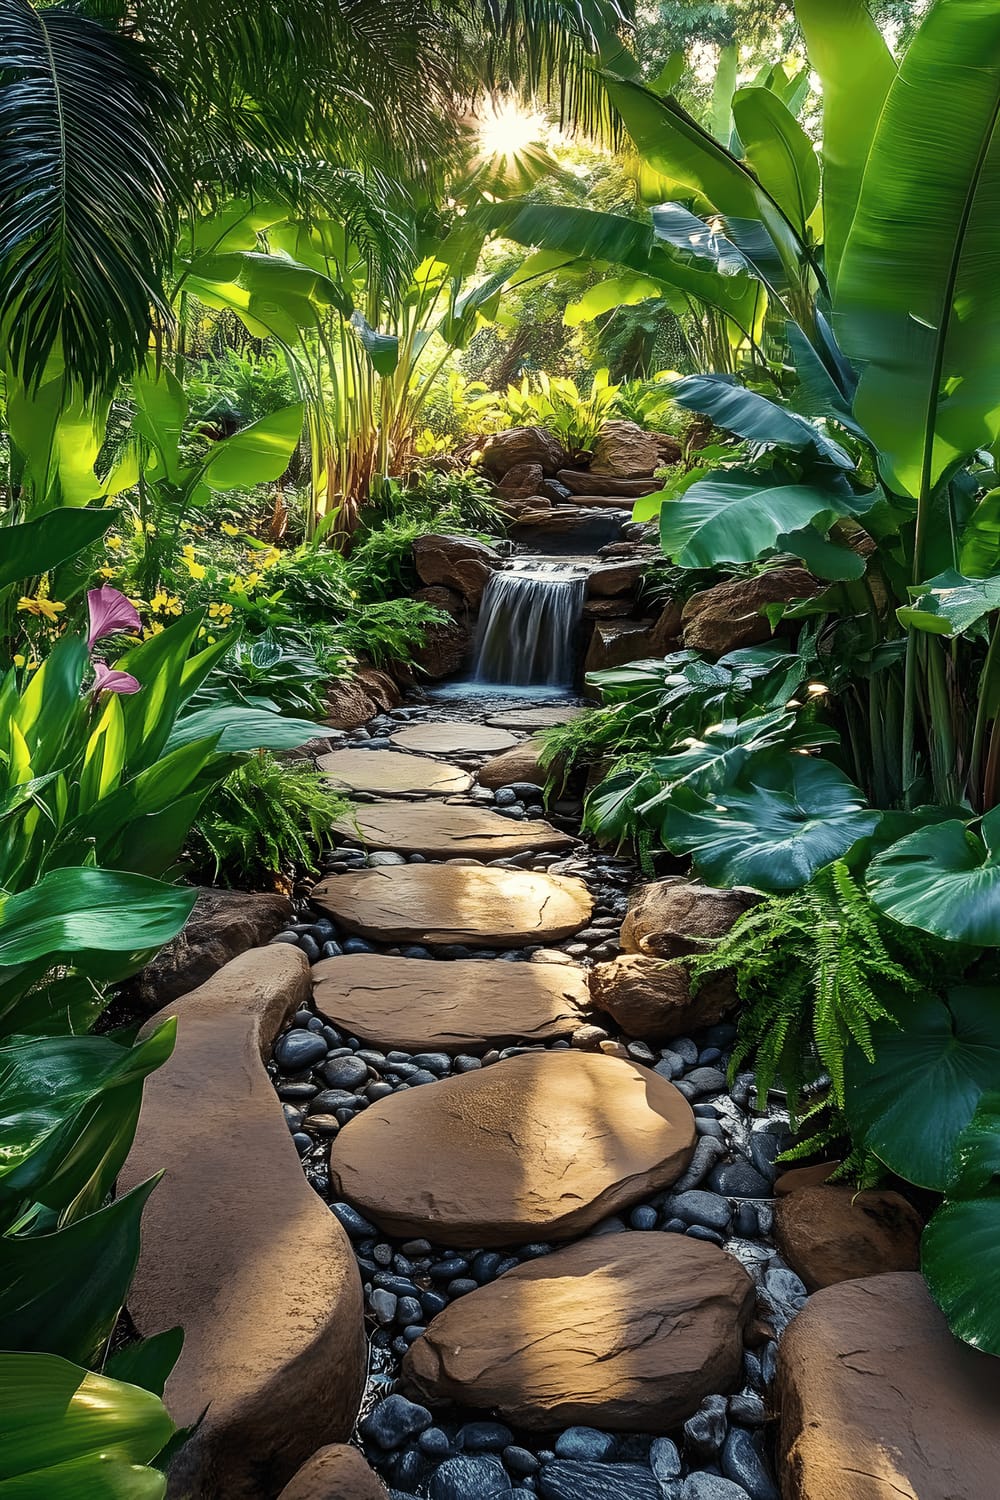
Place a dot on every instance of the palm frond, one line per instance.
(85, 195)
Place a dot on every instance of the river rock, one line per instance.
(610, 579)
(628, 1332)
(479, 906)
(583, 483)
(470, 1006)
(652, 1000)
(455, 562)
(538, 1147)
(615, 643)
(676, 917)
(222, 925)
(626, 451)
(879, 1401)
(348, 706)
(380, 686)
(728, 615)
(567, 1479)
(522, 445)
(521, 482)
(442, 831)
(336, 1472)
(519, 764)
(831, 1234)
(446, 738)
(393, 774)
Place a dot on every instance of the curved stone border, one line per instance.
(238, 1249)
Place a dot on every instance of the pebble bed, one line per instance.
(324, 1078)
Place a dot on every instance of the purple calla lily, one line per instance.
(110, 612)
(107, 680)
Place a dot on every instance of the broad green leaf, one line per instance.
(960, 1250)
(618, 291)
(257, 453)
(979, 543)
(611, 808)
(913, 1102)
(161, 664)
(750, 415)
(382, 348)
(160, 417)
(716, 759)
(70, 910)
(918, 303)
(69, 1434)
(824, 558)
(739, 515)
(149, 1362)
(241, 729)
(787, 816)
(949, 603)
(61, 1293)
(944, 879)
(779, 151)
(59, 435)
(34, 547)
(856, 70)
(723, 90)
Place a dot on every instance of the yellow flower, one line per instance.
(165, 604)
(107, 572)
(45, 609)
(196, 570)
(220, 611)
(270, 557)
(156, 628)
(230, 530)
(19, 660)
(114, 542)
(251, 580)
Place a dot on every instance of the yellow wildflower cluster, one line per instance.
(196, 570)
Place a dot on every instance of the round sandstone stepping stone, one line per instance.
(391, 774)
(469, 904)
(441, 831)
(627, 1331)
(537, 1147)
(453, 739)
(420, 1007)
(535, 718)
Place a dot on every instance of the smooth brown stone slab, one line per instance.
(336, 1472)
(456, 904)
(829, 1234)
(453, 739)
(392, 774)
(442, 830)
(623, 1331)
(414, 1004)
(537, 1147)
(535, 718)
(520, 764)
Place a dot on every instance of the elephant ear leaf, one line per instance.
(960, 1252)
(945, 880)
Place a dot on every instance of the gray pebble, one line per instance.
(743, 1464)
(698, 1207)
(705, 1432)
(738, 1179)
(297, 1051)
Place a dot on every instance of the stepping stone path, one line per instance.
(453, 739)
(402, 1002)
(609, 1330)
(474, 905)
(535, 718)
(541, 1145)
(389, 773)
(445, 832)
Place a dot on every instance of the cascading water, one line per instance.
(527, 625)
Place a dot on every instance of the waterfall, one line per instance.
(527, 625)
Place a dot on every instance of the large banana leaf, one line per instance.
(960, 1250)
(780, 153)
(751, 415)
(257, 453)
(949, 604)
(36, 546)
(617, 291)
(241, 729)
(737, 515)
(918, 297)
(856, 69)
(68, 1434)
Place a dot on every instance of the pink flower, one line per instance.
(107, 680)
(109, 612)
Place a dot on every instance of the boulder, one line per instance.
(444, 599)
(522, 445)
(223, 925)
(402, 1002)
(445, 649)
(453, 738)
(521, 482)
(728, 615)
(348, 705)
(273, 1362)
(608, 609)
(479, 906)
(444, 831)
(615, 643)
(627, 1332)
(652, 1000)
(611, 579)
(336, 1472)
(519, 764)
(391, 773)
(537, 1147)
(830, 1234)
(455, 562)
(383, 689)
(584, 482)
(665, 634)
(878, 1401)
(675, 917)
(802, 1177)
(625, 451)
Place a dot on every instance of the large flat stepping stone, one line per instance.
(389, 773)
(625, 1331)
(444, 832)
(480, 907)
(453, 739)
(538, 1147)
(416, 1005)
(535, 718)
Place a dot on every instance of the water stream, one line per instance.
(527, 625)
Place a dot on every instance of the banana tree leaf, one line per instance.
(750, 415)
(821, 392)
(786, 817)
(738, 515)
(913, 1102)
(960, 1250)
(257, 453)
(69, 1433)
(618, 291)
(36, 546)
(241, 729)
(382, 348)
(856, 69)
(950, 604)
(917, 298)
(723, 90)
(780, 153)
(74, 909)
(945, 880)
(59, 436)
(61, 1293)
(161, 411)
(979, 543)
(149, 1362)
(823, 557)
